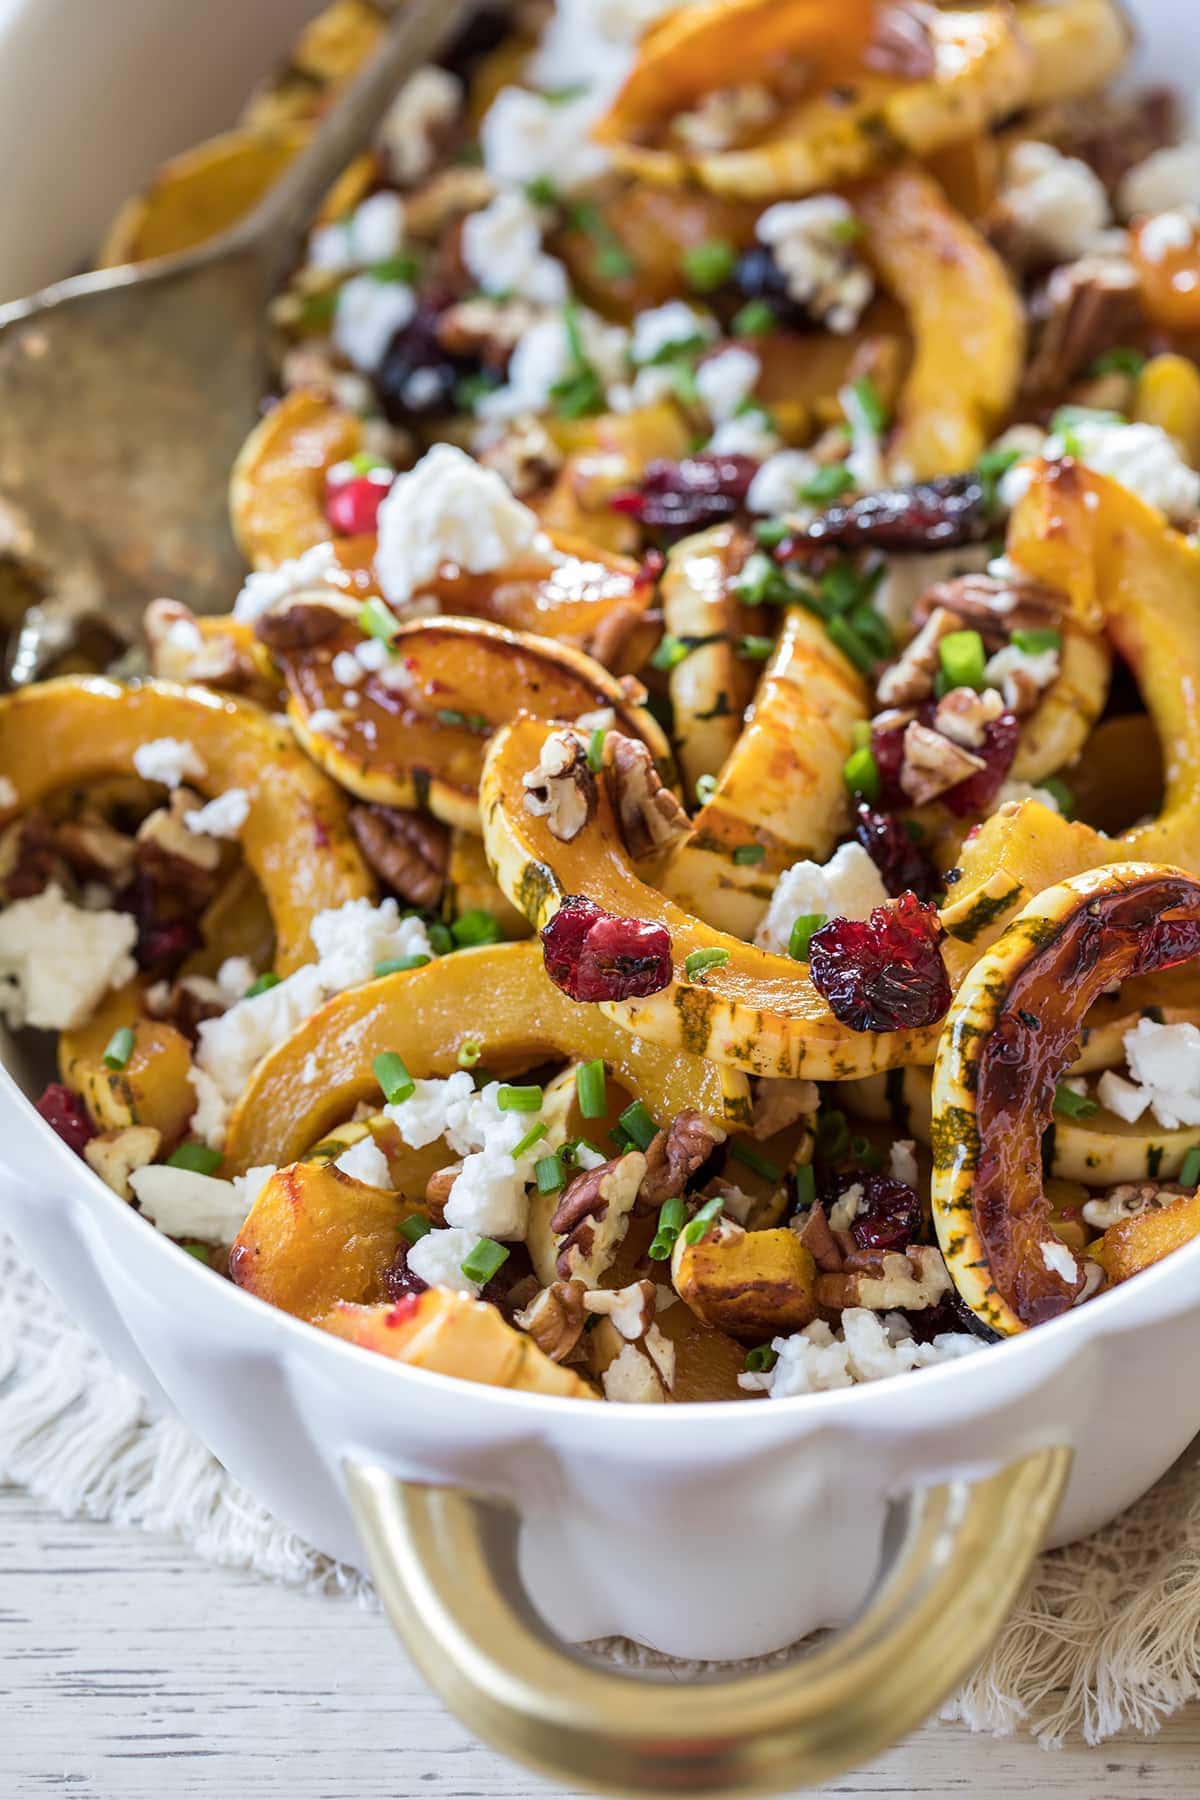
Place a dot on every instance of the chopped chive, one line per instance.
(476, 927)
(415, 1227)
(833, 1135)
(861, 774)
(591, 1089)
(1073, 1105)
(450, 715)
(1120, 360)
(801, 936)
(670, 652)
(1032, 643)
(481, 1263)
(755, 319)
(706, 787)
(548, 1173)
(1189, 1174)
(469, 1053)
(541, 190)
(806, 1184)
(393, 1077)
(595, 751)
(378, 620)
(262, 986)
(699, 960)
(752, 1160)
(670, 1224)
(761, 582)
(870, 404)
(439, 937)
(400, 965)
(621, 1138)
(770, 533)
(829, 482)
(746, 854)
(709, 1212)
(864, 1153)
(754, 649)
(706, 266)
(762, 1357)
(851, 644)
(637, 1124)
(197, 1158)
(991, 466)
(962, 656)
(533, 1136)
(201, 1252)
(1055, 785)
(519, 1099)
(119, 1048)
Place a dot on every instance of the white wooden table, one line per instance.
(129, 1671)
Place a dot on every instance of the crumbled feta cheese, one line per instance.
(265, 588)
(592, 42)
(544, 356)
(1166, 179)
(673, 326)
(868, 1349)
(222, 817)
(1165, 232)
(1057, 203)
(250, 1185)
(726, 116)
(372, 656)
(351, 938)
(57, 961)
(846, 887)
(725, 381)
(527, 137)
(1164, 1062)
(902, 1162)
(750, 434)
(426, 106)
(347, 669)
(372, 233)
(845, 1208)
(448, 510)
(325, 722)
(234, 976)
(1059, 1260)
(433, 1110)
(8, 793)
(1124, 1098)
(365, 1161)
(438, 1258)
(1012, 793)
(1141, 457)
(183, 1204)
(777, 485)
(1041, 667)
(502, 249)
(368, 315)
(812, 242)
(168, 760)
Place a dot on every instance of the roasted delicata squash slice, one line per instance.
(711, 685)
(1075, 45)
(449, 1334)
(417, 733)
(1137, 1243)
(151, 1088)
(324, 56)
(847, 120)
(66, 733)
(758, 1013)
(1124, 567)
(781, 790)
(1010, 1034)
(498, 1001)
(965, 315)
(277, 489)
(754, 1285)
(471, 886)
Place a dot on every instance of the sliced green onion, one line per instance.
(1055, 785)
(378, 620)
(637, 1124)
(400, 965)
(476, 722)
(548, 1173)
(762, 1357)
(481, 1263)
(670, 652)
(533, 1136)
(415, 1227)
(595, 751)
(519, 1099)
(761, 582)
(1120, 360)
(469, 1053)
(591, 1089)
(833, 1135)
(991, 466)
(262, 985)
(860, 772)
(198, 1158)
(706, 787)
(1189, 1174)
(870, 404)
(770, 533)
(850, 642)
(752, 1160)
(670, 1224)
(699, 960)
(393, 1077)
(201, 1252)
(401, 267)
(962, 656)
(710, 1211)
(754, 649)
(476, 927)
(755, 319)
(1032, 643)
(119, 1048)
(439, 938)
(706, 266)
(745, 854)
(801, 935)
(1067, 419)
(829, 482)
(806, 1184)
(541, 190)
(1073, 1105)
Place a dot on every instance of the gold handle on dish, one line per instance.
(445, 1563)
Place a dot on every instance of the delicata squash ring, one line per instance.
(758, 1012)
(296, 839)
(1011, 1032)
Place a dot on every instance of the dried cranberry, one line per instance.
(887, 747)
(885, 973)
(889, 1215)
(417, 352)
(161, 948)
(977, 792)
(930, 515)
(683, 496)
(901, 862)
(595, 955)
(399, 1280)
(65, 1113)
(950, 1314)
(352, 507)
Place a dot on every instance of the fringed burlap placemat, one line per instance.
(1106, 1635)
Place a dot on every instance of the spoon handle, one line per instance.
(277, 226)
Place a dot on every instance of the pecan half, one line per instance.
(650, 817)
(675, 1154)
(994, 605)
(301, 621)
(561, 789)
(555, 1318)
(30, 858)
(526, 458)
(593, 1216)
(408, 850)
(1086, 307)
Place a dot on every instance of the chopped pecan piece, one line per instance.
(631, 1308)
(963, 716)
(437, 1188)
(487, 329)
(902, 43)
(445, 197)
(675, 1154)
(932, 763)
(612, 633)
(30, 858)
(408, 850)
(780, 1101)
(95, 849)
(179, 862)
(116, 1154)
(887, 1281)
(910, 678)
(650, 817)
(1086, 307)
(593, 1216)
(562, 789)
(815, 1234)
(554, 1319)
(180, 651)
(1127, 1200)
(633, 1378)
(994, 605)
(526, 458)
(301, 621)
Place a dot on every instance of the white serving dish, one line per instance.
(703, 1531)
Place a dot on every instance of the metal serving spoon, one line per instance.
(126, 394)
